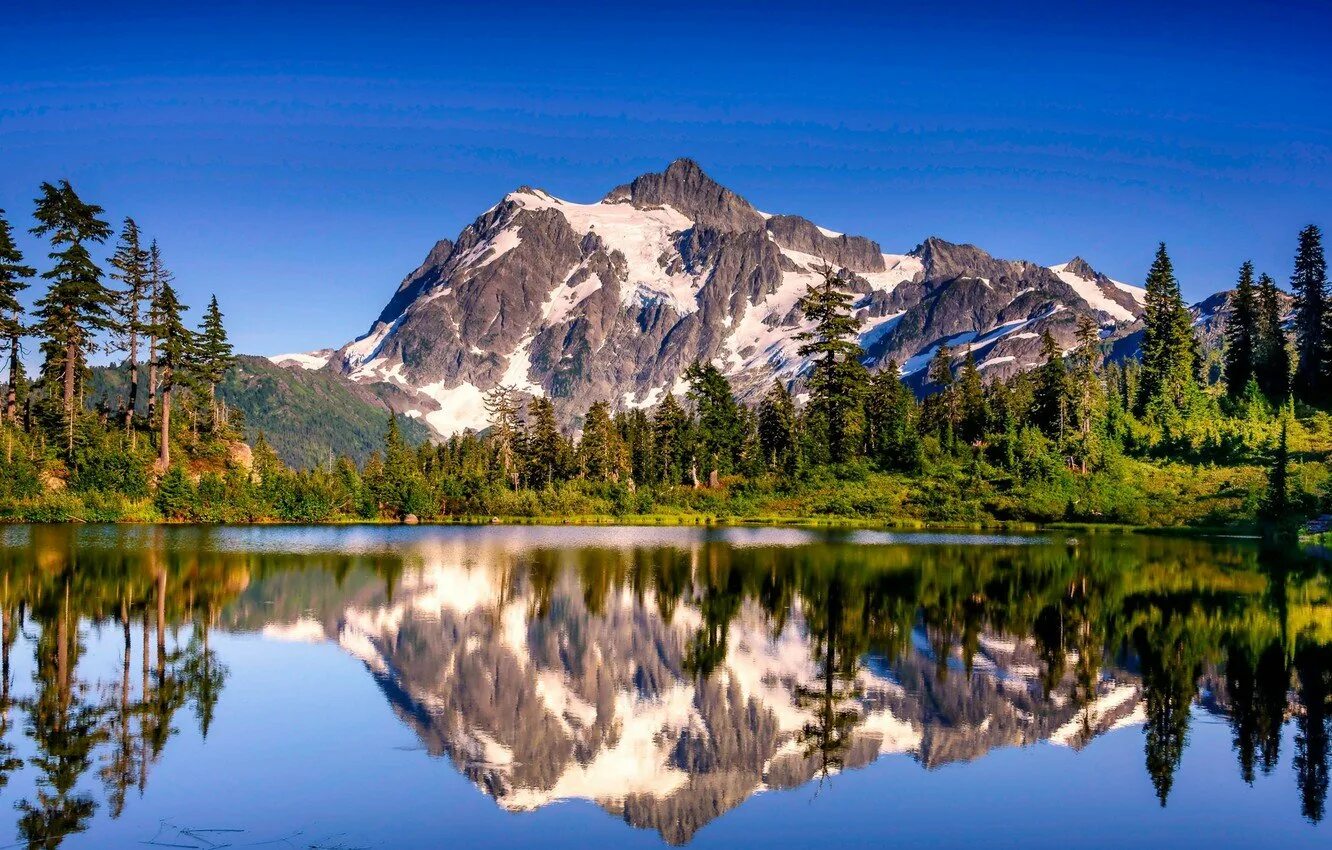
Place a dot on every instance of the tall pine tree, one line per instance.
(131, 269)
(838, 380)
(1168, 385)
(213, 355)
(777, 423)
(77, 305)
(158, 275)
(175, 354)
(720, 424)
(1308, 284)
(891, 440)
(13, 280)
(1050, 398)
(1273, 354)
(1242, 334)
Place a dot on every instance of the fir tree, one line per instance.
(1050, 398)
(131, 269)
(174, 497)
(1308, 284)
(213, 355)
(503, 404)
(1273, 352)
(671, 432)
(941, 376)
(890, 414)
(838, 380)
(546, 448)
(777, 435)
(158, 275)
(973, 413)
(77, 305)
(400, 488)
(1088, 389)
(1276, 503)
(600, 452)
(13, 280)
(175, 354)
(720, 424)
(1168, 384)
(1242, 334)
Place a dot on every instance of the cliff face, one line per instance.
(614, 299)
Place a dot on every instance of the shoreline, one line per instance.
(1247, 532)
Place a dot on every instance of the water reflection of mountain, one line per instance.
(666, 678)
(541, 687)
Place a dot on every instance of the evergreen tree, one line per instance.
(213, 356)
(77, 305)
(1168, 384)
(890, 414)
(158, 275)
(174, 497)
(400, 488)
(720, 424)
(1273, 353)
(503, 404)
(838, 381)
(131, 269)
(973, 413)
(175, 355)
(1242, 334)
(671, 429)
(600, 452)
(13, 280)
(1308, 284)
(1276, 503)
(941, 376)
(1088, 389)
(546, 448)
(1050, 398)
(777, 423)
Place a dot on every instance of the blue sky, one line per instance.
(298, 162)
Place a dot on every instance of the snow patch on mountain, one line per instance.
(644, 237)
(312, 361)
(1089, 291)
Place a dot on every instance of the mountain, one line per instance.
(614, 299)
(307, 416)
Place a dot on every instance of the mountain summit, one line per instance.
(614, 299)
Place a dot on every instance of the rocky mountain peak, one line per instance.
(1081, 268)
(685, 186)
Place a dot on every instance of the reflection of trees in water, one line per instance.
(56, 591)
(1168, 612)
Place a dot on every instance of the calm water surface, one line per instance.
(555, 687)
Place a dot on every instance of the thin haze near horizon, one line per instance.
(299, 161)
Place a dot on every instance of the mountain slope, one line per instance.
(614, 299)
(307, 416)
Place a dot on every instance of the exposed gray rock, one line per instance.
(683, 185)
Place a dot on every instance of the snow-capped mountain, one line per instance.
(614, 299)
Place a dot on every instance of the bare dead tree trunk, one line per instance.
(164, 440)
(11, 395)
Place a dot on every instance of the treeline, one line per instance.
(53, 441)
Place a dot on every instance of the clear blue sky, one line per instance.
(298, 162)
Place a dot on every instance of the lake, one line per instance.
(423, 687)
